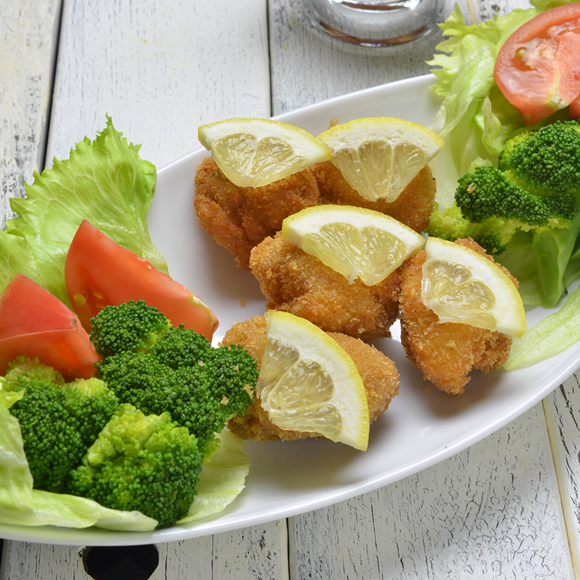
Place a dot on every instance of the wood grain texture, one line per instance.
(258, 553)
(159, 69)
(475, 526)
(492, 511)
(28, 41)
(563, 420)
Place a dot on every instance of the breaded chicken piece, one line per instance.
(445, 352)
(296, 282)
(413, 207)
(241, 217)
(378, 372)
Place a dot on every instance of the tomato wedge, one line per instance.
(99, 272)
(538, 67)
(575, 109)
(35, 323)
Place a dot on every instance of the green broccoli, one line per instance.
(58, 420)
(545, 161)
(141, 462)
(127, 327)
(490, 209)
(181, 373)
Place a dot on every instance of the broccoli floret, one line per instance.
(141, 462)
(545, 161)
(492, 235)
(200, 395)
(181, 348)
(487, 193)
(202, 387)
(58, 420)
(132, 326)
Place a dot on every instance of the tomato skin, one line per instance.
(538, 69)
(35, 323)
(99, 272)
(575, 109)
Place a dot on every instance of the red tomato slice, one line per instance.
(35, 323)
(575, 109)
(99, 272)
(538, 67)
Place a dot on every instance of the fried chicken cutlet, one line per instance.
(241, 217)
(378, 372)
(413, 207)
(445, 352)
(299, 283)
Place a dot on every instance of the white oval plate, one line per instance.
(420, 428)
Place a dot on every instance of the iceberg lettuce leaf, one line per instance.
(221, 480)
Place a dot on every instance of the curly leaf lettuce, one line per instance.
(105, 182)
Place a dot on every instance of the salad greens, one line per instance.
(105, 182)
(476, 121)
(475, 118)
(222, 479)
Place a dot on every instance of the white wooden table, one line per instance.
(508, 507)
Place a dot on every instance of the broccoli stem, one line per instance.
(552, 250)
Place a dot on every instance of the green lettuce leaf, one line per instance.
(22, 505)
(105, 182)
(552, 335)
(475, 119)
(221, 480)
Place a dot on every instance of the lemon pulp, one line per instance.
(380, 156)
(461, 285)
(257, 152)
(356, 242)
(309, 383)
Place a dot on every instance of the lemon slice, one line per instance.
(308, 383)
(354, 241)
(379, 156)
(461, 285)
(256, 152)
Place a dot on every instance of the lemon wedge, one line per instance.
(309, 383)
(380, 156)
(354, 241)
(256, 152)
(461, 285)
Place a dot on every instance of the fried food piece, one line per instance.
(378, 372)
(445, 352)
(296, 282)
(241, 217)
(413, 207)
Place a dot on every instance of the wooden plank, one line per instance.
(476, 513)
(160, 68)
(563, 419)
(245, 554)
(28, 41)
(492, 511)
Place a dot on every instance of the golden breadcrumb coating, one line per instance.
(445, 352)
(240, 217)
(413, 207)
(296, 282)
(378, 372)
